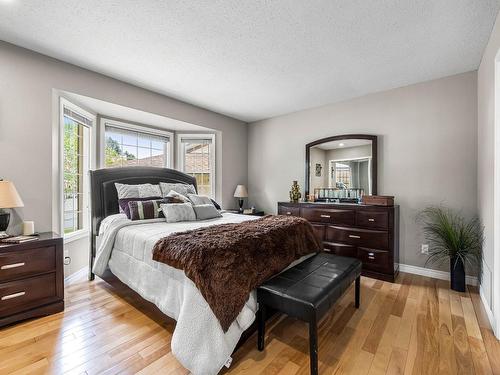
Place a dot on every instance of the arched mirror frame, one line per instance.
(372, 138)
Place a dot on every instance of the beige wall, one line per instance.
(318, 156)
(487, 174)
(427, 149)
(26, 116)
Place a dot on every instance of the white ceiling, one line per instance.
(257, 59)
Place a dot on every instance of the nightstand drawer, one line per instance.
(27, 293)
(22, 263)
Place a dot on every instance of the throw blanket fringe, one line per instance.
(226, 262)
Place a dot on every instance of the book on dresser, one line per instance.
(369, 233)
(31, 278)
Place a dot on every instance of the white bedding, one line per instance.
(198, 341)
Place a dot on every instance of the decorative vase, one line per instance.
(295, 194)
(457, 275)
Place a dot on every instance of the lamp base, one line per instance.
(4, 222)
(240, 202)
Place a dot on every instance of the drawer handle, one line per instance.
(371, 256)
(288, 213)
(15, 295)
(14, 265)
(354, 236)
(370, 219)
(325, 216)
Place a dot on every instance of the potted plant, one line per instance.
(455, 239)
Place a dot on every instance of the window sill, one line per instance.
(75, 236)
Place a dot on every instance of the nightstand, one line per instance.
(31, 278)
(255, 213)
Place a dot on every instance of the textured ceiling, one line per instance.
(257, 59)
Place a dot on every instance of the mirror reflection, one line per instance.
(340, 170)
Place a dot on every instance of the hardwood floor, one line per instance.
(414, 326)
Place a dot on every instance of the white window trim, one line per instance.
(180, 156)
(133, 127)
(76, 235)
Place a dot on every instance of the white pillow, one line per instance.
(137, 191)
(175, 212)
(183, 189)
(174, 194)
(199, 199)
(206, 211)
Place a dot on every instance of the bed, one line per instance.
(122, 248)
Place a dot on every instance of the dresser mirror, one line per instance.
(341, 168)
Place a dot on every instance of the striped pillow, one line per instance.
(141, 210)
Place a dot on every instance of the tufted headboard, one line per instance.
(104, 198)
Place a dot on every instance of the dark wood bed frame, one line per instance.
(104, 202)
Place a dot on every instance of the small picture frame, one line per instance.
(319, 167)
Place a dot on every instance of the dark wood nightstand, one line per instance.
(255, 213)
(31, 278)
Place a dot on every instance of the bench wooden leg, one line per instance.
(261, 327)
(357, 287)
(313, 346)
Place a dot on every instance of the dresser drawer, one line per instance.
(326, 215)
(341, 249)
(372, 219)
(373, 259)
(290, 211)
(358, 237)
(14, 264)
(27, 293)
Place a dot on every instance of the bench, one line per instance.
(307, 291)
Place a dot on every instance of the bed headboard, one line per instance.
(104, 198)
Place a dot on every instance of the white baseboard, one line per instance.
(75, 276)
(436, 274)
(487, 308)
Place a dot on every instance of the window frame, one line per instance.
(120, 124)
(180, 156)
(85, 230)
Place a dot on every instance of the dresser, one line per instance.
(31, 279)
(369, 233)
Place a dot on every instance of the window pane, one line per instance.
(198, 163)
(133, 148)
(75, 166)
(157, 145)
(144, 140)
(129, 138)
(69, 222)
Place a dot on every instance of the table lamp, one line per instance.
(9, 198)
(240, 193)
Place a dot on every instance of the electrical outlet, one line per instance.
(425, 249)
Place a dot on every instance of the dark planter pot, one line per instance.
(457, 275)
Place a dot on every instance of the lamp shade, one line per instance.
(9, 198)
(241, 191)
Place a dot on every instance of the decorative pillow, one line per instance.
(199, 199)
(173, 200)
(176, 195)
(140, 210)
(125, 201)
(137, 191)
(206, 211)
(175, 212)
(183, 189)
(217, 205)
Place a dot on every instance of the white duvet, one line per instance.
(198, 341)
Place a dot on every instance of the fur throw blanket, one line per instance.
(227, 261)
